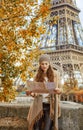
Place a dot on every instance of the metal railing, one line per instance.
(64, 47)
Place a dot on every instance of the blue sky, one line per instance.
(80, 6)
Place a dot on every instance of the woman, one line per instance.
(42, 110)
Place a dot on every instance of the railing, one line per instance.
(69, 46)
(72, 97)
(64, 47)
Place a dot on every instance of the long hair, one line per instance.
(40, 75)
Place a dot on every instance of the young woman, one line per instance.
(41, 112)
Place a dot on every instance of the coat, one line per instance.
(36, 108)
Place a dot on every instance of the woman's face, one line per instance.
(44, 66)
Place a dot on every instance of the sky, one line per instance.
(80, 6)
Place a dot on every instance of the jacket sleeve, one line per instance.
(57, 79)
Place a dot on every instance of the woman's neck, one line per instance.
(45, 74)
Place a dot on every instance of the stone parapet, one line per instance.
(13, 116)
(72, 116)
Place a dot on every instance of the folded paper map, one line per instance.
(40, 87)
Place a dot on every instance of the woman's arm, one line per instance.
(58, 88)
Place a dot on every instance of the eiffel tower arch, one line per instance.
(64, 41)
(56, 67)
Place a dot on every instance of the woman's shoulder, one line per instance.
(56, 73)
(57, 78)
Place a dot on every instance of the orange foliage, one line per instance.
(79, 92)
(43, 10)
(79, 95)
(18, 28)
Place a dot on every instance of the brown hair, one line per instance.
(40, 75)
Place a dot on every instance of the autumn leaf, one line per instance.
(21, 25)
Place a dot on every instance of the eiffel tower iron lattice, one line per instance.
(64, 41)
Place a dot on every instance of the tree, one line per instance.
(21, 25)
(70, 85)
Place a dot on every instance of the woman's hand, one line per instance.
(34, 94)
(57, 91)
(30, 93)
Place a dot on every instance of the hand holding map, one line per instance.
(40, 87)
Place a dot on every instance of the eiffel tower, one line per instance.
(64, 41)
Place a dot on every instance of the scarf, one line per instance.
(36, 111)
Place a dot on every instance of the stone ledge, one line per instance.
(13, 109)
(13, 123)
(71, 118)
